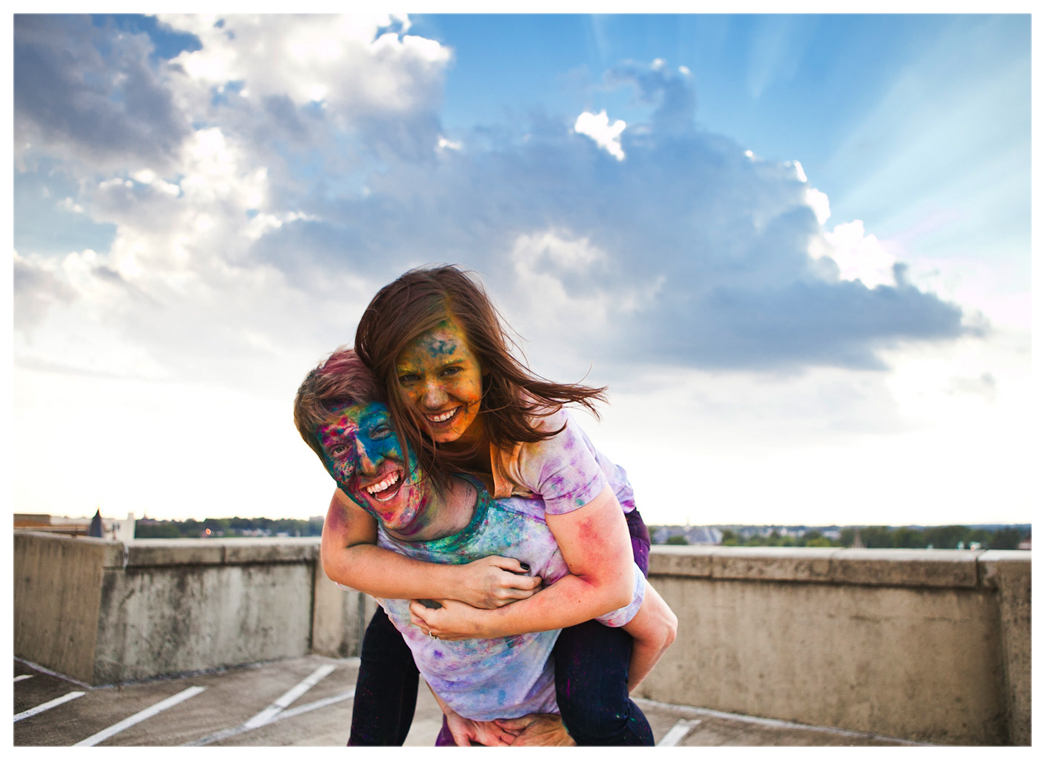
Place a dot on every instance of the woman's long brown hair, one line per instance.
(512, 396)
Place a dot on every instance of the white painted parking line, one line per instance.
(269, 713)
(677, 733)
(277, 710)
(138, 717)
(217, 736)
(301, 709)
(48, 705)
(21, 678)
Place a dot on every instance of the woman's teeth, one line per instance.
(383, 485)
(444, 416)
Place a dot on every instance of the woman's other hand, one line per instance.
(493, 582)
(452, 620)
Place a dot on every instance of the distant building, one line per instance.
(118, 530)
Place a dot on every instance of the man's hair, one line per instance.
(339, 381)
(419, 301)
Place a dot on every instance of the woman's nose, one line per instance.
(434, 396)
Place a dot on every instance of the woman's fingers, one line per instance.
(510, 594)
(521, 582)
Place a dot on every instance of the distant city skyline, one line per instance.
(796, 247)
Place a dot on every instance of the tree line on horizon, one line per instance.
(225, 527)
(886, 537)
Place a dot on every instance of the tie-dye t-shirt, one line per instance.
(508, 677)
(566, 471)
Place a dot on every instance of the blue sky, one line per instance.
(797, 248)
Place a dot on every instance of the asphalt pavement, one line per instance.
(308, 702)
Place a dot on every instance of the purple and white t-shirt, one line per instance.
(508, 677)
(566, 471)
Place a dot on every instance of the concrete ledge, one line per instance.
(1000, 567)
(107, 553)
(156, 552)
(916, 568)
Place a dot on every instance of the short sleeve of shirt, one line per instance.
(563, 470)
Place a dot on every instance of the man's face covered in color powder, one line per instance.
(363, 454)
(442, 378)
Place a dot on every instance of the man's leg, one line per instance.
(386, 688)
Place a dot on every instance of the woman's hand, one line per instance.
(467, 732)
(453, 621)
(493, 582)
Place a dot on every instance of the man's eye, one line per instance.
(338, 451)
(380, 432)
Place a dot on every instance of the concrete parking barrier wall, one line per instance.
(927, 645)
(106, 612)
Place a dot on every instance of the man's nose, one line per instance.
(366, 464)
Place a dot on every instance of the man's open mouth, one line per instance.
(386, 488)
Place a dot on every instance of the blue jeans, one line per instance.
(591, 679)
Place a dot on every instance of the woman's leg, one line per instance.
(386, 688)
(591, 673)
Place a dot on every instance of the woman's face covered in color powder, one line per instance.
(443, 379)
(363, 454)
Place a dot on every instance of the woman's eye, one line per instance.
(408, 379)
(451, 371)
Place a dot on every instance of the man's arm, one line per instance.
(351, 557)
(595, 543)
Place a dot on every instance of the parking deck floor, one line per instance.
(308, 702)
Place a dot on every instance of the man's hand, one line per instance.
(538, 730)
(468, 732)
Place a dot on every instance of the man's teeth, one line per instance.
(383, 485)
(444, 416)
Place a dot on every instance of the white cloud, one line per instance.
(598, 128)
(342, 60)
(859, 256)
(820, 204)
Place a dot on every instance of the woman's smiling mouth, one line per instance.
(436, 419)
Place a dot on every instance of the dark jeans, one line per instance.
(591, 679)
(386, 688)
